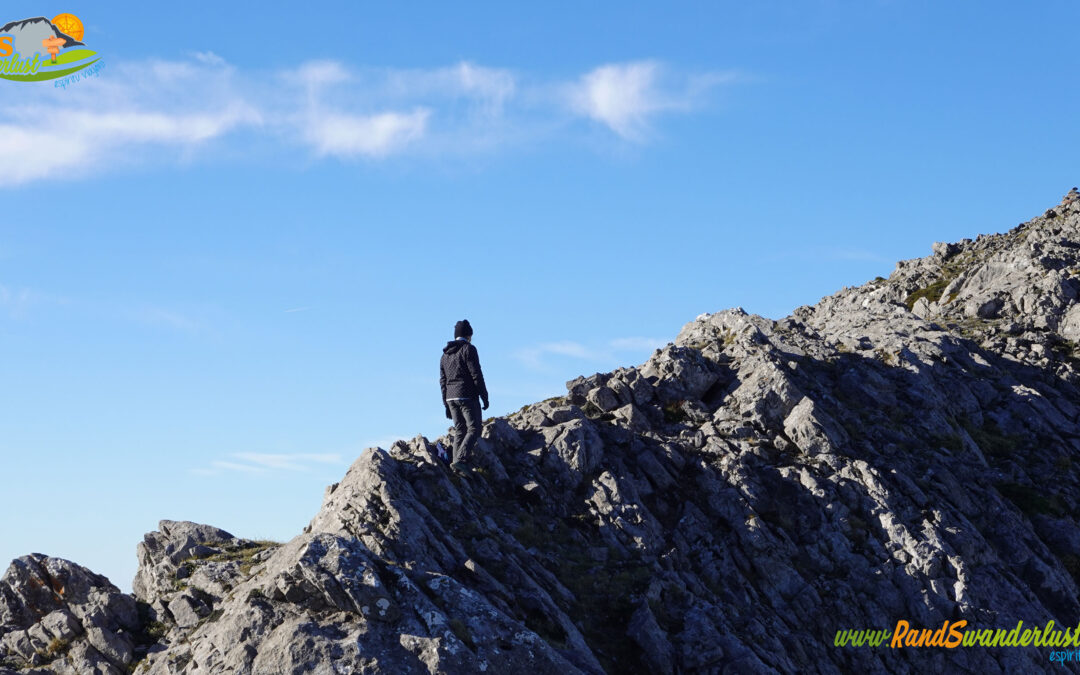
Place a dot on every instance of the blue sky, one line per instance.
(229, 262)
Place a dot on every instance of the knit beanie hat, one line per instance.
(462, 329)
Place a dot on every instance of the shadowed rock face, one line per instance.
(906, 449)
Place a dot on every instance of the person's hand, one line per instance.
(485, 404)
(448, 415)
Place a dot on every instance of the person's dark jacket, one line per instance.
(459, 372)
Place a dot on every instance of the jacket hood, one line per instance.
(454, 346)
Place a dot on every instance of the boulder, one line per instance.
(59, 614)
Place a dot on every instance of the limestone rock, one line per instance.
(162, 554)
(60, 616)
(905, 449)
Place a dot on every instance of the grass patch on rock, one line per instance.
(591, 410)
(152, 631)
(1034, 501)
(56, 649)
(243, 553)
(992, 441)
(932, 293)
(674, 413)
(605, 598)
(458, 627)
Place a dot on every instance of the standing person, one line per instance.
(463, 389)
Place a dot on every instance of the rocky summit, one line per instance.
(898, 464)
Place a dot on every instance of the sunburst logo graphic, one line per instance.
(69, 24)
(37, 49)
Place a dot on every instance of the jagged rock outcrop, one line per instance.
(906, 449)
(185, 569)
(59, 617)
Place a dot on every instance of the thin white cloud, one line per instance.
(620, 96)
(130, 116)
(342, 135)
(208, 58)
(18, 301)
(566, 348)
(345, 113)
(33, 154)
(332, 132)
(158, 111)
(287, 462)
(533, 357)
(260, 463)
(493, 84)
(293, 310)
(168, 318)
(536, 357)
(156, 127)
(318, 73)
(490, 88)
(218, 466)
(626, 97)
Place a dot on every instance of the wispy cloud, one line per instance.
(218, 467)
(533, 356)
(167, 105)
(294, 462)
(399, 106)
(167, 318)
(19, 303)
(160, 110)
(343, 135)
(626, 97)
(487, 88)
(258, 463)
(208, 58)
(537, 356)
(16, 302)
(314, 75)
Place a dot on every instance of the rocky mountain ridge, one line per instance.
(902, 450)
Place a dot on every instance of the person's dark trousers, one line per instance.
(467, 419)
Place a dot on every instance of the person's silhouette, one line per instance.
(463, 388)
